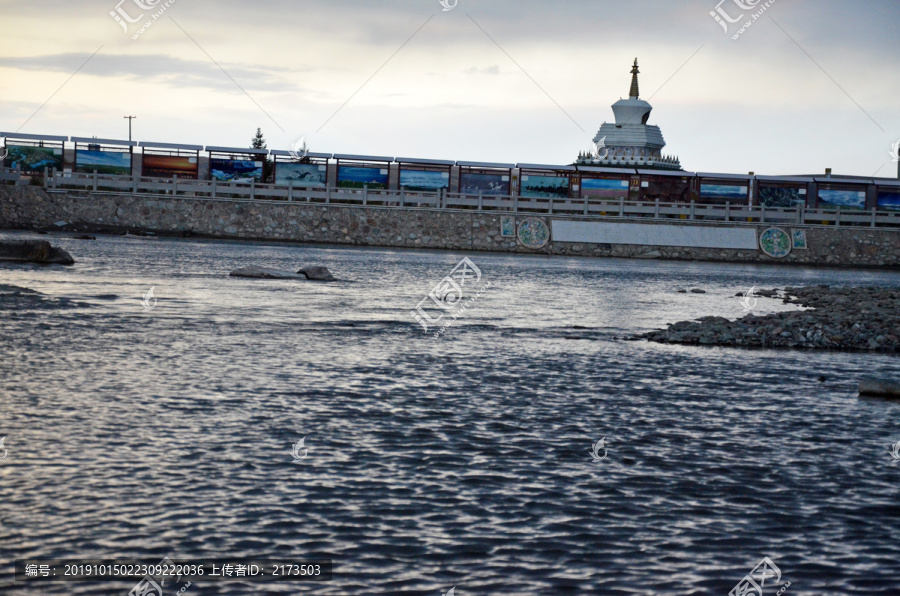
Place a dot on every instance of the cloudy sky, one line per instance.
(810, 84)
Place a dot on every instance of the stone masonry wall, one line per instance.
(31, 207)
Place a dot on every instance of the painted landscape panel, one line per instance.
(724, 192)
(33, 159)
(846, 199)
(424, 180)
(167, 166)
(785, 197)
(105, 162)
(542, 187)
(302, 174)
(889, 200)
(359, 176)
(235, 169)
(487, 184)
(603, 188)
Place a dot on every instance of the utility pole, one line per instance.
(130, 118)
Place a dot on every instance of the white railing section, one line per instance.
(590, 207)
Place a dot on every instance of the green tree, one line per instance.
(259, 142)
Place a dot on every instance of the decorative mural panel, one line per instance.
(507, 227)
(775, 242)
(533, 233)
(798, 238)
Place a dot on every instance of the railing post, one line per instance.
(621, 206)
(550, 207)
(762, 214)
(290, 190)
(174, 185)
(515, 202)
(253, 189)
(838, 222)
(480, 200)
(442, 198)
(95, 180)
(402, 196)
(585, 205)
(327, 195)
(365, 194)
(213, 187)
(134, 184)
(656, 209)
(873, 217)
(727, 210)
(46, 177)
(693, 205)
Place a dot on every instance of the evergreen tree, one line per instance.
(259, 142)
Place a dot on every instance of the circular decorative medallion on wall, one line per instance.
(533, 233)
(775, 242)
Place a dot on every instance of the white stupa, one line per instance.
(630, 142)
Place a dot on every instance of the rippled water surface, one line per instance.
(460, 461)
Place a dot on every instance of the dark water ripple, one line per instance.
(460, 461)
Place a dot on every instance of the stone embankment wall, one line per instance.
(24, 207)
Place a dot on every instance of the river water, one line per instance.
(431, 463)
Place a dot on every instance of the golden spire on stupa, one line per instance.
(634, 81)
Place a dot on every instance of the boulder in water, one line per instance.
(265, 273)
(34, 251)
(316, 273)
(881, 388)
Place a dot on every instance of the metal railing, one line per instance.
(584, 207)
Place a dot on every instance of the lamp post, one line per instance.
(130, 118)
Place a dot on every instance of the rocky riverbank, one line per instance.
(839, 319)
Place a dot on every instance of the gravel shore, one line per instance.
(843, 318)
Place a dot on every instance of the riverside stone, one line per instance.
(265, 273)
(845, 318)
(876, 387)
(34, 251)
(317, 273)
(314, 273)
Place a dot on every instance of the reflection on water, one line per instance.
(462, 461)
